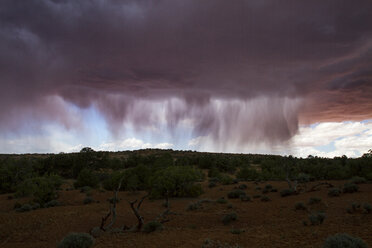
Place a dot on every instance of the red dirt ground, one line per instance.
(266, 224)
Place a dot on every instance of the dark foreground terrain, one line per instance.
(275, 223)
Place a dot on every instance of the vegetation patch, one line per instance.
(228, 218)
(343, 240)
(77, 240)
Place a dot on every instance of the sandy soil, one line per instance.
(266, 224)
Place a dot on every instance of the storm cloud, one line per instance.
(251, 71)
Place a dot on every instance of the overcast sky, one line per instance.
(265, 76)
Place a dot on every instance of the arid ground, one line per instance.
(275, 223)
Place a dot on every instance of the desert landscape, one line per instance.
(261, 212)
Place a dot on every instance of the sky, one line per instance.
(266, 76)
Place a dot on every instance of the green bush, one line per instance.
(314, 200)
(25, 208)
(350, 188)
(42, 189)
(334, 192)
(52, 203)
(209, 243)
(152, 226)
(86, 177)
(228, 218)
(286, 192)
(367, 208)
(245, 198)
(247, 174)
(317, 218)
(221, 200)
(77, 240)
(300, 206)
(235, 194)
(358, 180)
(88, 200)
(176, 181)
(343, 240)
(265, 198)
(236, 231)
(242, 186)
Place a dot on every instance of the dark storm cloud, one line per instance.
(112, 54)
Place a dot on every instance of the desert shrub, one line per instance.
(152, 226)
(212, 184)
(314, 200)
(236, 231)
(358, 180)
(274, 190)
(176, 181)
(214, 172)
(265, 198)
(209, 243)
(17, 205)
(303, 178)
(258, 188)
(226, 179)
(235, 194)
(265, 191)
(245, 198)
(198, 204)
(52, 203)
(350, 188)
(228, 218)
(221, 200)
(367, 208)
(286, 192)
(268, 187)
(77, 240)
(334, 192)
(300, 206)
(88, 200)
(86, 177)
(317, 218)
(257, 196)
(42, 189)
(85, 189)
(242, 186)
(24, 208)
(229, 206)
(343, 240)
(36, 206)
(247, 174)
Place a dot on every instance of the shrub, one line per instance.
(343, 240)
(245, 198)
(367, 208)
(358, 180)
(36, 206)
(42, 189)
(265, 198)
(229, 206)
(300, 206)
(243, 186)
(77, 240)
(317, 218)
(228, 218)
(176, 181)
(198, 204)
(269, 187)
(221, 200)
(235, 194)
(314, 200)
(209, 243)
(274, 190)
(257, 196)
(88, 200)
(247, 174)
(350, 188)
(334, 192)
(24, 208)
(303, 178)
(212, 184)
(152, 226)
(85, 189)
(86, 177)
(236, 231)
(52, 203)
(226, 179)
(286, 192)
(17, 205)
